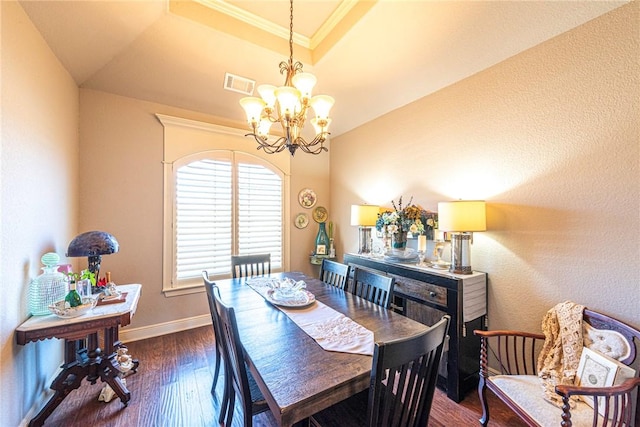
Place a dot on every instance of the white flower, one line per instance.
(392, 228)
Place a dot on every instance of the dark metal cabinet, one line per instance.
(426, 294)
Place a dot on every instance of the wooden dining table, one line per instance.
(296, 376)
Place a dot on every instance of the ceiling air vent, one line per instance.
(238, 84)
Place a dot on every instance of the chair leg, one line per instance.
(482, 394)
(216, 372)
(224, 408)
(231, 406)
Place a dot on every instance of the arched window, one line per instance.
(218, 202)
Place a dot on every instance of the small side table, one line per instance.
(83, 356)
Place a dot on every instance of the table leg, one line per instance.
(68, 380)
(81, 363)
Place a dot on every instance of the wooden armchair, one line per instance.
(516, 383)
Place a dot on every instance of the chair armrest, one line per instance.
(515, 351)
(574, 390)
(613, 403)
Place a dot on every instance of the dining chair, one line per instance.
(334, 273)
(208, 284)
(373, 287)
(250, 265)
(238, 380)
(402, 383)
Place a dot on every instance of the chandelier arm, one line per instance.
(310, 147)
(292, 122)
(269, 147)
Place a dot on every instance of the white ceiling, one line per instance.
(399, 51)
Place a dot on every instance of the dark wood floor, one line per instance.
(173, 383)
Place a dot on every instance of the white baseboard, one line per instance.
(135, 334)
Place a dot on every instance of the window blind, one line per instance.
(208, 229)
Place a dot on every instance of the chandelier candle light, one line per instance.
(461, 218)
(288, 105)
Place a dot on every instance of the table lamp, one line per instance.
(461, 218)
(364, 216)
(93, 244)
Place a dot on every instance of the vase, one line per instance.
(399, 240)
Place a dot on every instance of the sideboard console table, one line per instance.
(426, 294)
(83, 356)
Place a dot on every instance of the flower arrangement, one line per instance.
(409, 219)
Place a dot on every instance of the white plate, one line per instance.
(307, 198)
(301, 221)
(301, 298)
(440, 265)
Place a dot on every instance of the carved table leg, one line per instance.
(110, 374)
(68, 380)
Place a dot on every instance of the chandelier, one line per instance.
(288, 105)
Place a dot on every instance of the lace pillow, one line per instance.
(610, 343)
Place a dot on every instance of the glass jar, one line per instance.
(47, 288)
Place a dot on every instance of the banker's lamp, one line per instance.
(93, 244)
(461, 218)
(364, 216)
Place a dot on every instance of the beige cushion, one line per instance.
(526, 391)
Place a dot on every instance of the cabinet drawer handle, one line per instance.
(432, 294)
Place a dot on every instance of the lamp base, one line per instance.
(461, 253)
(364, 240)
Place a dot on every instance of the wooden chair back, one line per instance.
(403, 378)
(373, 287)
(250, 265)
(208, 284)
(239, 381)
(334, 273)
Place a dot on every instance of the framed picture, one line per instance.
(597, 370)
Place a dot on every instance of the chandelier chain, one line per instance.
(291, 32)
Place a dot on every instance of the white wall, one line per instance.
(550, 139)
(38, 200)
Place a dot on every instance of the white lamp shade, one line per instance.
(304, 82)
(253, 108)
(264, 127)
(268, 94)
(319, 128)
(462, 215)
(321, 105)
(364, 215)
(289, 100)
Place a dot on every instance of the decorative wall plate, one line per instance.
(307, 198)
(301, 220)
(320, 214)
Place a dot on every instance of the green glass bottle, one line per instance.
(73, 297)
(322, 241)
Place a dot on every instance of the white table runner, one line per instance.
(332, 330)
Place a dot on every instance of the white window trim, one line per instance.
(184, 137)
